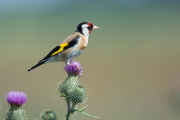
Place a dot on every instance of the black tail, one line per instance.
(39, 63)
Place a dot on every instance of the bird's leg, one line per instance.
(68, 61)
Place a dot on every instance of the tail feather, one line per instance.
(39, 63)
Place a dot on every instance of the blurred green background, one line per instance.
(131, 67)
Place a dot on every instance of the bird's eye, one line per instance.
(89, 28)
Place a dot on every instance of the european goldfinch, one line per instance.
(71, 47)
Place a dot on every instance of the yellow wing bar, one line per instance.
(61, 49)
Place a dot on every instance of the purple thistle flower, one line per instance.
(74, 68)
(16, 98)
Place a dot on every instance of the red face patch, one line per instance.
(89, 31)
(90, 27)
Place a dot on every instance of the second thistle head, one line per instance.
(74, 68)
(16, 98)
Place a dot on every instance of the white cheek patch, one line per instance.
(84, 26)
(85, 30)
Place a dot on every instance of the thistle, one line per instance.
(74, 71)
(72, 90)
(48, 115)
(16, 100)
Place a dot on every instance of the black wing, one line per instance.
(62, 47)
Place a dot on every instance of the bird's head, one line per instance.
(86, 28)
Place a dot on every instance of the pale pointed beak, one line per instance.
(95, 27)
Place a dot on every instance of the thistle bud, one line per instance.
(68, 84)
(15, 113)
(48, 115)
(78, 95)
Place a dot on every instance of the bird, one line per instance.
(71, 47)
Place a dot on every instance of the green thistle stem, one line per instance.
(89, 115)
(73, 105)
(82, 111)
(69, 109)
